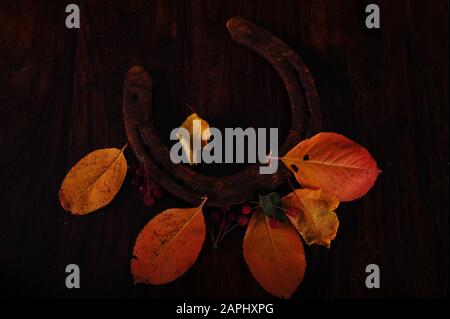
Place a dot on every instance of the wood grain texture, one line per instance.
(60, 98)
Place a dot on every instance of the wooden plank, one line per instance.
(60, 98)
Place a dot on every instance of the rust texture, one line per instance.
(179, 179)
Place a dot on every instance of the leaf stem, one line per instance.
(283, 209)
(190, 108)
(290, 184)
(228, 230)
(252, 202)
(204, 199)
(220, 231)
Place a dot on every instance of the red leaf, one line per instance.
(332, 162)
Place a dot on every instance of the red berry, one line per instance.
(274, 223)
(246, 209)
(231, 216)
(214, 215)
(149, 200)
(293, 211)
(157, 193)
(242, 220)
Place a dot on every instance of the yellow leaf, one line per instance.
(168, 245)
(316, 220)
(275, 256)
(94, 181)
(203, 130)
(333, 163)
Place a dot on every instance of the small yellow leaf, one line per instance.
(195, 133)
(168, 245)
(316, 221)
(94, 181)
(275, 256)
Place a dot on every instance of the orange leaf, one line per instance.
(316, 221)
(335, 164)
(168, 245)
(275, 256)
(94, 181)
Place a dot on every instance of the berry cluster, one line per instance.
(147, 187)
(226, 219)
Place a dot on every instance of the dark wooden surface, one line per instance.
(60, 98)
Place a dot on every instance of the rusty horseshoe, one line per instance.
(189, 185)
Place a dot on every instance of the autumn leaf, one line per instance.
(316, 220)
(333, 163)
(194, 133)
(275, 256)
(94, 181)
(271, 206)
(168, 245)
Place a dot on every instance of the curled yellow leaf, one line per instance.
(195, 133)
(275, 256)
(168, 245)
(316, 220)
(94, 181)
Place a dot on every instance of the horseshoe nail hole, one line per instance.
(306, 157)
(295, 168)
